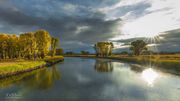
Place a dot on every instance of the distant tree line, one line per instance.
(29, 45)
(69, 53)
(84, 52)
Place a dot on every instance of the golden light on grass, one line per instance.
(149, 75)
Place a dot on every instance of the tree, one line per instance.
(138, 46)
(103, 48)
(8, 46)
(3, 45)
(59, 51)
(54, 44)
(28, 45)
(11, 46)
(43, 41)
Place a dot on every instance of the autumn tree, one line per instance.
(103, 48)
(59, 51)
(54, 44)
(43, 41)
(3, 45)
(29, 45)
(11, 46)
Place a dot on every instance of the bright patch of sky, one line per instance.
(162, 15)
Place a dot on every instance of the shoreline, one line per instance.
(47, 64)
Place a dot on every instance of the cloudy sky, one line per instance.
(81, 23)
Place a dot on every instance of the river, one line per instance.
(81, 79)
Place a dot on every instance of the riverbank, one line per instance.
(164, 62)
(14, 67)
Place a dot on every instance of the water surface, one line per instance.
(80, 79)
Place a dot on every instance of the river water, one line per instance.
(80, 79)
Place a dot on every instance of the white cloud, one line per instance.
(161, 16)
(120, 4)
(81, 29)
(118, 45)
(70, 7)
(151, 24)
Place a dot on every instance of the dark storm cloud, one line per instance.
(170, 41)
(16, 18)
(61, 18)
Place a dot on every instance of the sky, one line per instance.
(79, 24)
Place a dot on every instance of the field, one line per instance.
(10, 67)
(171, 59)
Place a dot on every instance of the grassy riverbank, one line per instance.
(159, 60)
(153, 58)
(8, 67)
(53, 59)
(13, 67)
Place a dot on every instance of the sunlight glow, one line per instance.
(149, 75)
(141, 29)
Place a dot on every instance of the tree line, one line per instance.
(104, 49)
(29, 45)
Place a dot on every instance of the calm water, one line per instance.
(79, 79)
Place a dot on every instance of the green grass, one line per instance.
(10, 67)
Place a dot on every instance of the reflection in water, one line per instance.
(103, 66)
(149, 75)
(83, 83)
(136, 68)
(44, 79)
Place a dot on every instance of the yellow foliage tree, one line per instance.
(28, 45)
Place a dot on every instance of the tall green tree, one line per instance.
(138, 46)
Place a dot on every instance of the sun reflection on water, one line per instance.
(149, 75)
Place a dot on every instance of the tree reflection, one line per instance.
(39, 79)
(103, 66)
(44, 79)
(136, 68)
